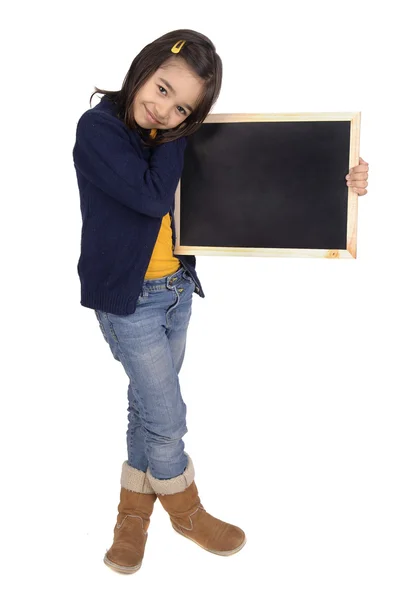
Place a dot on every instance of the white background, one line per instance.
(291, 375)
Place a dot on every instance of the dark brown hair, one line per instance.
(201, 57)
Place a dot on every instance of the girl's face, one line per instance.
(168, 97)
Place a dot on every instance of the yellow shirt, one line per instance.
(162, 261)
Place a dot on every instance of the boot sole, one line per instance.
(121, 568)
(219, 552)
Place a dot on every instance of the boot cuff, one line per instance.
(135, 480)
(174, 485)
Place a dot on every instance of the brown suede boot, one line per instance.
(137, 499)
(179, 497)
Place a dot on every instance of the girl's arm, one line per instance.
(105, 155)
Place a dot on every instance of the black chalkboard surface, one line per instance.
(269, 185)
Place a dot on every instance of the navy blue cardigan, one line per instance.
(125, 190)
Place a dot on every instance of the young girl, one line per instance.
(128, 158)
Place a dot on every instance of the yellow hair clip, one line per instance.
(153, 134)
(178, 46)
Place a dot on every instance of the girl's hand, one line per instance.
(358, 178)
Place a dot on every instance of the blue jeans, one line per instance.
(150, 344)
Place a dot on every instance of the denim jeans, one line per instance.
(150, 345)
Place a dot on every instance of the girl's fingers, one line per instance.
(360, 191)
(357, 177)
(360, 169)
(357, 184)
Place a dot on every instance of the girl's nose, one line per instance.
(162, 116)
(163, 112)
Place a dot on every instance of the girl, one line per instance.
(128, 158)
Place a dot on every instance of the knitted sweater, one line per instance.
(125, 190)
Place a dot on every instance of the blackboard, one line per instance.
(269, 185)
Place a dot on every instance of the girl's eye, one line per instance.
(163, 91)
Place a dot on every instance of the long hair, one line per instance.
(201, 57)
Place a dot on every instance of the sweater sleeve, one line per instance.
(105, 155)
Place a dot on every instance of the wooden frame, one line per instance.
(352, 215)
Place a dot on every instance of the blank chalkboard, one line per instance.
(269, 185)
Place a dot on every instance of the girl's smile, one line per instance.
(151, 118)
